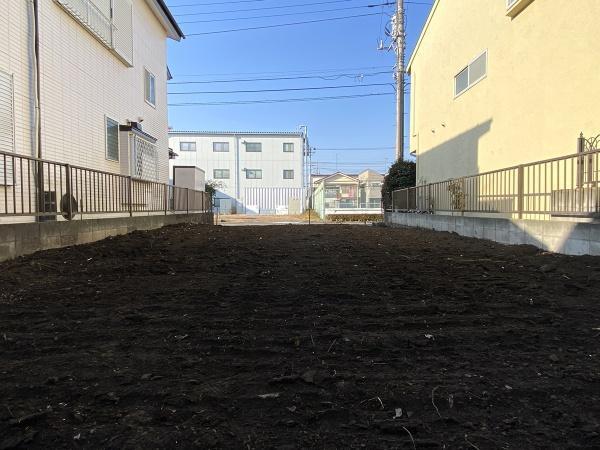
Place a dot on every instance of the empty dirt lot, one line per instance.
(292, 337)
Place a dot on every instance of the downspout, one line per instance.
(38, 110)
(36, 63)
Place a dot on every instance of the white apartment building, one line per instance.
(258, 172)
(84, 82)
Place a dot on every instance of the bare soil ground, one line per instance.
(299, 337)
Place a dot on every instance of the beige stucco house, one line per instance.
(88, 77)
(496, 83)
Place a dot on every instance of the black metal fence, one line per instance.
(51, 190)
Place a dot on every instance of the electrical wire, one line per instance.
(285, 14)
(326, 78)
(289, 72)
(283, 100)
(205, 13)
(255, 91)
(280, 25)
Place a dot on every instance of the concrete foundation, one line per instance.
(24, 238)
(569, 238)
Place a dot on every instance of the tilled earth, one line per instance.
(328, 337)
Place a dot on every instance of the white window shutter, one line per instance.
(123, 32)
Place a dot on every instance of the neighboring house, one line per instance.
(498, 83)
(341, 193)
(257, 172)
(102, 75)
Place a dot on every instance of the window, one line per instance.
(288, 147)
(253, 174)
(149, 87)
(509, 3)
(220, 146)
(471, 74)
(7, 127)
(253, 147)
(187, 146)
(288, 174)
(112, 139)
(221, 174)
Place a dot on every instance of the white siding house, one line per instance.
(259, 172)
(102, 83)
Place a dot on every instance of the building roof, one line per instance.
(236, 133)
(425, 28)
(167, 18)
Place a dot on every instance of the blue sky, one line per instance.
(329, 49)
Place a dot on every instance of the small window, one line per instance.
(288, 147)
(187, 146)
(149, 87)
(253, 174)
(471, 74)
(509, 3)
(253, 147)
(220, 146)
(288, 174)
(221, 174)
(112, 139)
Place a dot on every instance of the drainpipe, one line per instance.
(38, 109)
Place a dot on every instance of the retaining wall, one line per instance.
(24, 238)
(570, 238)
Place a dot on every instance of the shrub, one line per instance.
(402, 174)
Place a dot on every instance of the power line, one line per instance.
(215, 3)
(307, 77)
(281, 25)
(319, 71)
(255, 91)
(283, 100)
(285, 14)
(204, 13)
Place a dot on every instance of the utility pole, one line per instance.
(398, 35)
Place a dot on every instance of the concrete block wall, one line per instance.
(25, 238)
(567, 237)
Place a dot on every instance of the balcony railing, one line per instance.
(103, 27)
(51, 190)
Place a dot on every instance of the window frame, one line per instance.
(188, 142)
(255, 171)
(220, 151)
(107, 118)
(148, 75)
(228, 177)
(288, 151)
(253, 143)
(470, 83)
(288, 171)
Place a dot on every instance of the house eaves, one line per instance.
(161, 11)
(422, 36)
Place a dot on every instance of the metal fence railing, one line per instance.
(564, 186)
(51, 190)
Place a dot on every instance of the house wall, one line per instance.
(540, 92)
(81, 83)
(250, 195)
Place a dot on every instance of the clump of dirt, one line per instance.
(299, 337)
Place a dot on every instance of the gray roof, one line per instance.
(235, 133)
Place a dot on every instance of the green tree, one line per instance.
(402, 174)
(211, 188)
